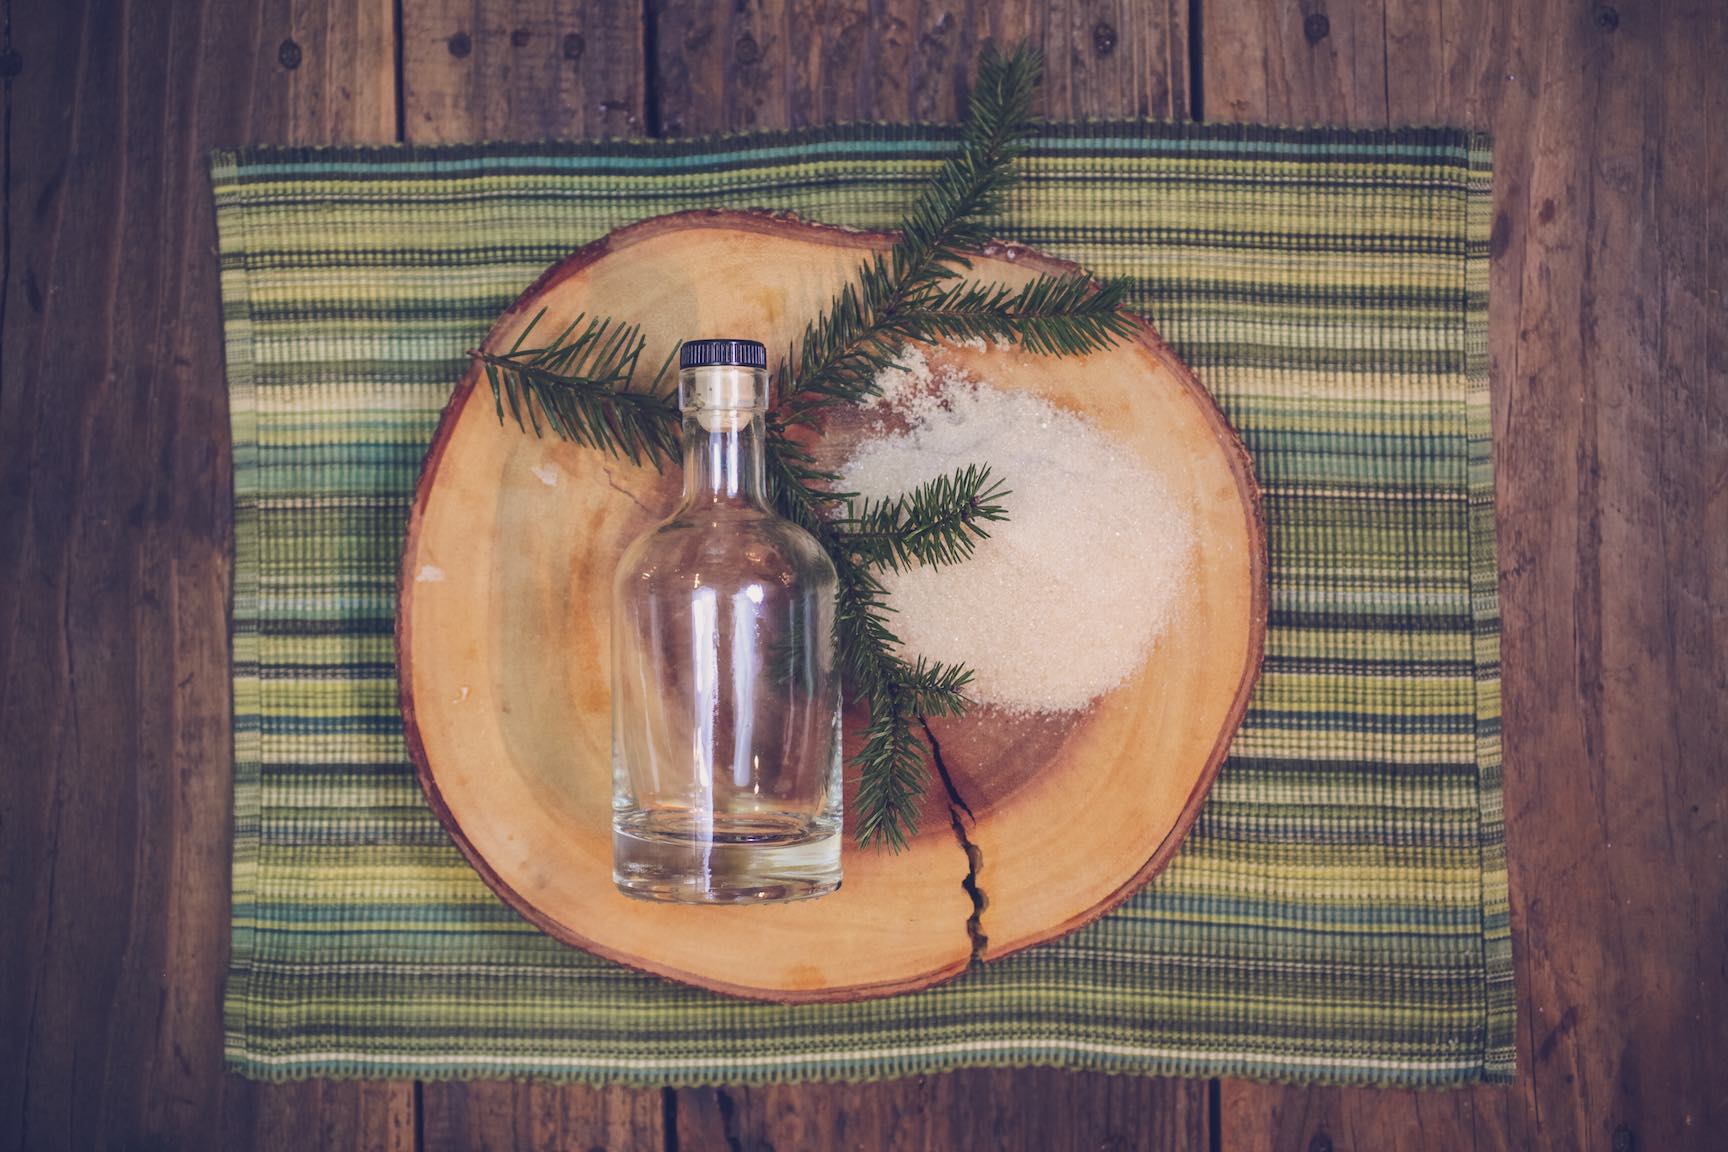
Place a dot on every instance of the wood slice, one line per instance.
(502, 637)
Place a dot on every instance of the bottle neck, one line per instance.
(723, 459)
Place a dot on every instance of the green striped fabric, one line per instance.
(1338, 914)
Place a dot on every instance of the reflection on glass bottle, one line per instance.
(725, 698)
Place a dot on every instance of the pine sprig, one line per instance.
(933, 688)
(1069, 315)
(893, 773)
(861, 333)
(952, 213)
(936, 524)
(582, 385)
(889, 794)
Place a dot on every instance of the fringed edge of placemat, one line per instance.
(1436, 142)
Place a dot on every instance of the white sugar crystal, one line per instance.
(1067, 597)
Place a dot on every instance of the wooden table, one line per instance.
(1610, 375)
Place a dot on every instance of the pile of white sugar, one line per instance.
(1069, 594)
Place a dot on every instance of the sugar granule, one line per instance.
(1067, 596)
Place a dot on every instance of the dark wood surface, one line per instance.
(1610, 374)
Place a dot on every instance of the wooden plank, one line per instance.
(763, 64)
(1002, 1109)
(363, 1114)
(1359, 64)
(115, 536)
(1294, 64)
(527, 69)
(528, 1116)
(522, 70)
(1275, 1117)
(1608, 364)
(325, 70)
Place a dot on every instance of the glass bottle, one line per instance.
(725, 697)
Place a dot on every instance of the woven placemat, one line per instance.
(1340, 911)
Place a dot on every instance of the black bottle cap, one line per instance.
(707, 353)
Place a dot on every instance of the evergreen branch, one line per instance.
(856, 338)
(892, 770)
(1067, 315)
(933, 688)
(797, 486)
(845, 347)
(864, 644)
(794, 474)
(892, 787)
(581, 385)
(890, 791)
(937, 523)
(952, 212)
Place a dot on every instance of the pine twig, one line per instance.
(936, 524)
(862, 333)
(856, 338)
(1069, 315)
(581, 385)
(889, 794)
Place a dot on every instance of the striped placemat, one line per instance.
(1339, 913)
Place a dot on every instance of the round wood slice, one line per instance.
(502, 636)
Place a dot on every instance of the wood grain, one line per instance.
(115, 539)
(1361, 64)
(521, 70)
(1611, 449)
(763, 64)
(1307, 1119)
(330, 64)
(508, 1117)
(1024, 1110)
(378, 1116)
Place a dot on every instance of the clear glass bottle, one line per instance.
(725, 697)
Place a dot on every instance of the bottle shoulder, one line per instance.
(759, 545)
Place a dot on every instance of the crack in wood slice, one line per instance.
(959, 814)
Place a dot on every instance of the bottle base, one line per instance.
(769, 891)
(652, 864)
